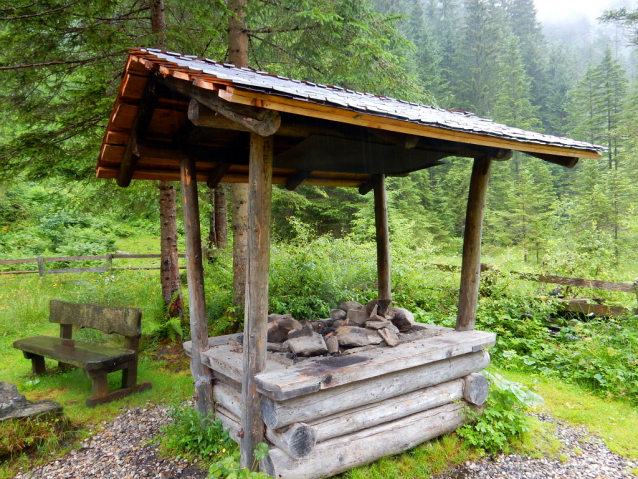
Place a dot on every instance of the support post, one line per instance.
(383, 236)
(256, 315)
(41, 267)
(196, 298)
(471, 265)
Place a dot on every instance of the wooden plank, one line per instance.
(124, 116)
(600, 310)
(133, 87)
(382, 237)
(351, 450)
(41, 266)
(116, 138)
(139, 128)
(92, 269)
(371, 415)
(117, 394)
(108, 319)
(471, 261)
(256, 308)
(196, 295)
(314, 110)
(582, 283)
(327, 402)
(331, 372)
(227, 360)
(18, 261)
(215, 341)
(566, 161)
(88, 356)
(77, 258)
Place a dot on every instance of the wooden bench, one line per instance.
(96, 360)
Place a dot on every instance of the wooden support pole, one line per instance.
(256, 312)
(41, 270)
(196, 298)
(383, 237)
(471, 264)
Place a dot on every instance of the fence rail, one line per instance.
(42, 271)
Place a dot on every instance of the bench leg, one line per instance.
(129, 375)
(100, 386)
(37, 364)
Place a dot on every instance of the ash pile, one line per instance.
(351, 327)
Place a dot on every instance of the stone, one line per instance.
(350, 305)
(353, 336)
(275, 317)
(338, 314)
(339, 322)
(401, 318)
(312, 345)
(278, 329)
(10, 399)
(317, 325)
(300, 333)
(332, 343)
(375, 324)
(381, 304)
(357, 317)
(390, 337)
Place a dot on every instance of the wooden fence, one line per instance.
(573, 305)
(108, 258)
(578, 305)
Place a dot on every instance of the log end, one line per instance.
(269, 412)
(302, 440)
(475, 389)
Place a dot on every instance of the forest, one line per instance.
(60, 67)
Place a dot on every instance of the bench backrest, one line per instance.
(108, 319)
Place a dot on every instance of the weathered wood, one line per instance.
(142, 122)
(297, 440)
(117, 394)
(370, 415)
(217, 174)
(88, 356)
(257, 120)
(256, 315)
(41, 266)
(566, 161)
(600, 310)
(351, 450)
(295, 180)
(382, 236)
(399, 139)
(331, 401)
(93, 269)
(108, 319)
(38, 366)
(366, 187)
(475, 389)
(196, 296)
(326, 373)
(471, 263)
(214, 341)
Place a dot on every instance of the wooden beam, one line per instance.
(314, 110)
(257, 120)
(196, 296)
(145, 111)
(217, 174)
(566, 161)
(256, 310)
(400, 139)
(366, 187)
(471, 263)
(296, 179)
(383, 237)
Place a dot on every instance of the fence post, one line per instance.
(636, 284)
(109, 261)
(41, 266)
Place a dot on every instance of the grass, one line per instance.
(612, 420)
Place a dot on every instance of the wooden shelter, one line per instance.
(178, 117)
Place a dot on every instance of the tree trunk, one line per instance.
(238, 56)
(221, 217)
(211, 241)
(169, 266)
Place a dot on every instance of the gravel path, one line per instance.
(119, 452)
(586, 456)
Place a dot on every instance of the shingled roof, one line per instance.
(435, 127)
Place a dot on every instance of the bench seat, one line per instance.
(87, 356)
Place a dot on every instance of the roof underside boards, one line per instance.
(328, 135)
